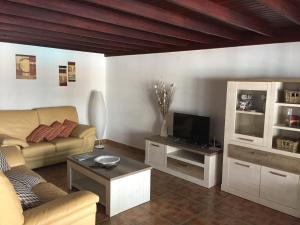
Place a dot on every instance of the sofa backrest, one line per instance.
(18, 123)
(11, 211)
(51, 114)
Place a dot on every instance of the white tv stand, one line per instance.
(201, 166)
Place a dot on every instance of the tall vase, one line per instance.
(164, 128)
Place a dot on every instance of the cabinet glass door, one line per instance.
(250, 112)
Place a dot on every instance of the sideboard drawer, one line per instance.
(279, 186)
(156, 153)
(244, 176)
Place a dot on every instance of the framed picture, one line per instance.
(71, 72)
(25, 67)
(63, 79)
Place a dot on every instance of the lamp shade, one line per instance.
(97, 112)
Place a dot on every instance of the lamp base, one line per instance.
(99, 146)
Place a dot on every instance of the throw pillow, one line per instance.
(38, 134)
(56, 129)
(69, 127)
(3, 163)
(23, 183)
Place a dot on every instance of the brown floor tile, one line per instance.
(175, 201)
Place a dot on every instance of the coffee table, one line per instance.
(119, 188)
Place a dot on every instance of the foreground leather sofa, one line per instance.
(57, 207)
(16, 125)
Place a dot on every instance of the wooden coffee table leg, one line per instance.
(69, 176)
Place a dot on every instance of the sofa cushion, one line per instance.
(56, 129)
(69, 127)
(11, 212)
(66, 144)
(18, 123)
(39, 134)
(23, 180)
(13, 156)
(38, 149)
(3, 163)
(48, 192)
(51, 114)
(6, 140)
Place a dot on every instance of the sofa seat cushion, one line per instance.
(66, 144)
(38, 149)
(48, 192)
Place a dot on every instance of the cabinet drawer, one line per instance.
(279, 186)
(156, 154)
(244, 176)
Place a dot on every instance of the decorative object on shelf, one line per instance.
(292, 96)
(164, 93)
(71, 72)
(107, 161)
(25, 67)
(97, 115)
(246, 102)
(63, 80)
(292, 120)
(287, 144)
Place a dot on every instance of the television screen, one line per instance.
(190, 128)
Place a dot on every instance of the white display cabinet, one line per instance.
(267, 175)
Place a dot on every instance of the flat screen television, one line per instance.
(191, 128)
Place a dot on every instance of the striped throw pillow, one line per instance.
(69, 127)
(38, 134)
(56, 129)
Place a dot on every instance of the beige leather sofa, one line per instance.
(16, 125)
(57, 208)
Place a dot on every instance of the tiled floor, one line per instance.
(175, 201)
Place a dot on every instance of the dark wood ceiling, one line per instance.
(125, 27)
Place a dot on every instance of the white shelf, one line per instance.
(282, 127)
(287, 104)
(250, 112)
(188, 157)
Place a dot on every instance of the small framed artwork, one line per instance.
(25, 67)
(63, 79)
(71, 72)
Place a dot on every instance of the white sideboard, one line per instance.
(254, 167)
(201, 166)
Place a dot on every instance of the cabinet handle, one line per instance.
(246, 139)
(155, 145)
(277, 174)
(241, 164)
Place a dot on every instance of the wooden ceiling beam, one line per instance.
(282, 36)
(284, 8)
(45, 26)
(70, 37)
(34, 42)
(39, 14)
(148, 11)
(224, 14)
(60, 41)
(120, 19)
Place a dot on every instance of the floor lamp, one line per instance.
(97, 115)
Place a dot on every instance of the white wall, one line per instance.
(200, 78)
(45, 90)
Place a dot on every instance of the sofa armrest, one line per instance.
(13, 155)
(6, 140)
(71, 207)
(82, 131)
